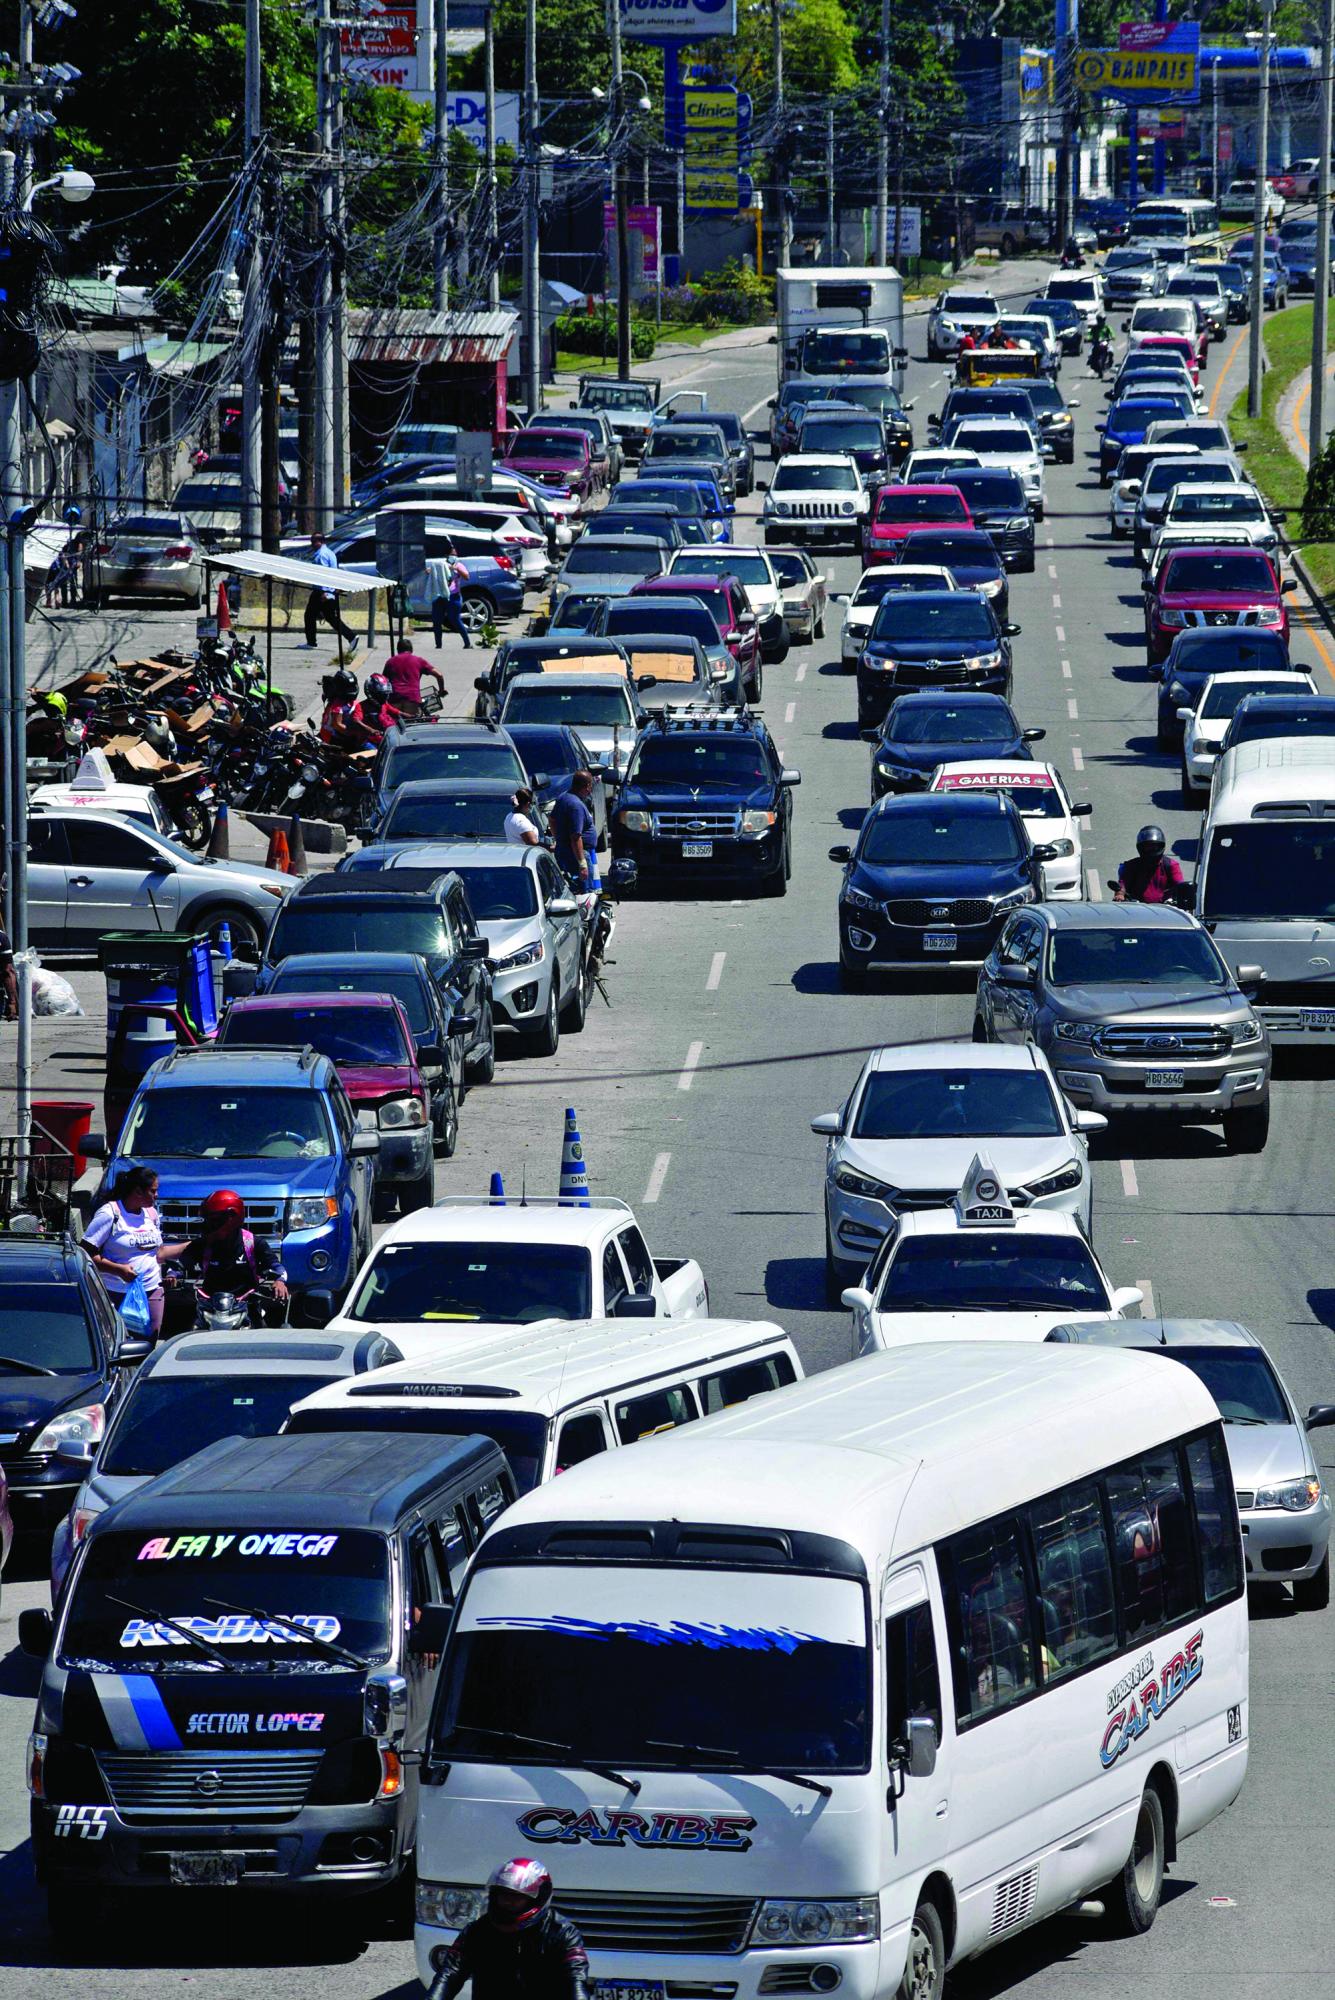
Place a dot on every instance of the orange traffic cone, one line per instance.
(224, 608)
(279, 855)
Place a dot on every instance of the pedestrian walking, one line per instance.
(448, 577)
(124, 1239)
(576, 833)
(322, 605)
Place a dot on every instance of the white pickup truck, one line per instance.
(468, 1266)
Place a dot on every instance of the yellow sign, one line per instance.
(711, 190)
(1152, 70)
(710, 108)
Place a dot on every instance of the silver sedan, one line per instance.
(146, 555)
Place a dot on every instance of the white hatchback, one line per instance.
(1205, 726)
(1040, 793)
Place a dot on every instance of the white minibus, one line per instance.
(838, 1689)
(553, 1395)
(1265, 883)
(1173, 216)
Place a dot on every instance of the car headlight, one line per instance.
(893, 770)
(778, 506)
(993, 588)
(451, 1905)
(1018, 525)
(848, 507)
(1014, 899)
(1293, 1495)
(82, 1426)
(849, 1181)
(756, 820)
(847, 1920)
(858, 899)
(1269, 614)
(400, 1114)
(310, 1211)
(634, 822)
(1076, 1031)
(1058, 1183)
(983, 663)
(1171, 619)
(529, 954)
(1248, 1033)
(1062, 849)
(875, 663)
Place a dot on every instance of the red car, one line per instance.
(1180, 344)
(1213, 586)
(367, 1038)
(900, 511)
(557, 458)
(730, 609)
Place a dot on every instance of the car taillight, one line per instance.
(505, 562)
(102, 548)
(179, 552)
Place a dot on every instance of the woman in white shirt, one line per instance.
(520, 830)
(124, 1241)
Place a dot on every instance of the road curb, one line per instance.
(1318, 601)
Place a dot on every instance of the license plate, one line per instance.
(697, 850)
(628, 1989)
(939, 940)
(143, 556)
(1316, 1017)
(207, 1871)
(1165, 1079)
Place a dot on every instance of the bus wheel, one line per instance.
(1133, 1896)
(925, 1967)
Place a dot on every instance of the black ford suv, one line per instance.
(705, 795)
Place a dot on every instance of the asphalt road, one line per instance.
(727, 1032)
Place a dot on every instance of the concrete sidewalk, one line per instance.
(1291, 414)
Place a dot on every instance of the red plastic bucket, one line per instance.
(66, 1121)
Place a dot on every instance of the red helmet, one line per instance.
(222, 1203)
(518, 1893)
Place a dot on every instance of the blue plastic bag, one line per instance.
(135, 1308)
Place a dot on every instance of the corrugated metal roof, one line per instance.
(431, 338)
(182, 357)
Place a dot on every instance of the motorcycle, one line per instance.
(188, 797)
(601, 921)
(237, 1312)
(1100, 357)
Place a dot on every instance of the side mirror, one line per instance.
(482, 684)
(35, 1633)
(1247, 975)
(462, 1024)
(857, 1298)
(1242, 444)
(430, 1630)
(131, 1349)
(920, 1746)
(933, 417)
(1015, 975)
(1185, 714)
(1032, 735)
(636, 1305)
(1073, 403)
(385, 1705)
(1089, 1121)
(1125, 1297)
(1011, 630)
(365, 1145)
(562, 906)
(474, 951)
(430, 1053)
(1289, 583)
(94, 1147)
(161, 864)
(1082, 810)
(828, 1124)
(1319, 1417)
(1100, 427)
(771, 403)
(76, 1454)
(836, 854)
(790, 778)
(646, 680)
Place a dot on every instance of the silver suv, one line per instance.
(1135, 1010)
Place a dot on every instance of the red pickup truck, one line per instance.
(1213, 586)
(557, 458)
(900, 511)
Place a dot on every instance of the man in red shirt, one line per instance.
(1154, 876)
(404, 673)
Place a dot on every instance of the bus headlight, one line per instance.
(452, 1905)
(847, 1920)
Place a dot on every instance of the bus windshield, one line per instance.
(695, 1667)
(1274, 869)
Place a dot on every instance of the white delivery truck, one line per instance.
(840, 324)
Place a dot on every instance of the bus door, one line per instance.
(917, 1759)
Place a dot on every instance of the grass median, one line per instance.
(1270, 460)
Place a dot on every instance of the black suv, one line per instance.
(705, 795)
(62, 1352)
(946, 639)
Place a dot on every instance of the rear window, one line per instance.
(45, 1329)
(912, 503)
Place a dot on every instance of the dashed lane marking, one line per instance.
(1147, 1306)
(715, 972)
(1130, 1185)
(1059, 634)
(657, 1176)
(1073, 709)
(1077, 757)
(1056, 603)
(790, 711)
(1095, 881)
(693, 1055)
(801, 673)
(1066, 670)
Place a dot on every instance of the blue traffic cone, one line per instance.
(496, 1199)
(574, 1173)
(225, 941)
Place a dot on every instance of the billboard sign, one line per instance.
(1165, 68)
(677, 20)
(910, 235)
(644, 222)
(467, 113)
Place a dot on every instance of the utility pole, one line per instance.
(883, 144)
(252, 305)
(780, 154)
(829, 184)
(324, 283)
(338, 282)
(1214, 131)
(12, 635)
(1065, 24)
(532, 261)
(493, 226)
(23, 161)
(1259, 214)
(1316, 421)
(620, 144)
(681, 214)
(440, 285)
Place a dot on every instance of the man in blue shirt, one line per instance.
(323, 604)
(575, 833)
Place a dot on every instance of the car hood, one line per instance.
(926, 756)
(943, 1163)
(366, 1083)
(1005, 461)
(996, 517)
(910, 1329)
(1265, 1454)
(1129, 1006)
(934, 649)
(27, 1401)
(662, 797)
(1218, 600)
(938, 884)
(609, 585)
(507, 934)
(898, 531)
(273, 1180)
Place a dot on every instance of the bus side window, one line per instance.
(449, 1536)
(988, 1611)
(1156, 1563)
(1216, 1517)
(747, 1379)
(912, 1682)
(1076, 1606)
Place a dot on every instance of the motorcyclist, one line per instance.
(1153, 876)
(1100, 344)
(340, 692)
(519, 1949)
(1073, 258)
(376, 708)
(228, 1257)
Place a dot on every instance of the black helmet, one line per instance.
(1150, 843)
(340, 686)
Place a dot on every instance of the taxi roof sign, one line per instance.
(982, 1202)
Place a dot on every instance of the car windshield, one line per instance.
(956, 1104)
(491, 758)
(1238, 505)
(578, 708)
(617, 396)
(992, 489)
(1240, 1379)
(554, 445)
(985, 723)
(964, 619)
(943, 839)
(612, 559)
(919, 503)
(223, 1587)
(791, 571)
(1238, 573)
(1060, 311)
(45, 1326)
(995, 437)
(337, 925)
(1136, 413)
(727, 562)
(1034, 793)
(873, 587)
(465, 816)
(1221, 697)
(497, 893)
(730, 424)
(1072, 288)
(683, 444)
(966, 551)
(968, 302)
(1139, 957)
(868, 396)
(685, 616)
(505, 1283)
(227, 1124)
(840, 433)
(1272, 870)
(707, 761)
(344, 1034)
(168, 1417)
(638, 1663)
(681, 499)
(298, 975)
(798, 478)
(970, 1271)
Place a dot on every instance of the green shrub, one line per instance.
(596, 333)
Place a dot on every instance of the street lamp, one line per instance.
(74, 184)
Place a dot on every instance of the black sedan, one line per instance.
(947, 639)
(1198, 654)
(924, 730)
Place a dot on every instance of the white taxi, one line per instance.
(1039, 791)
(980, 1269)
(872, 586)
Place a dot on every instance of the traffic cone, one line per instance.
(220, 843)
(574, 1173)
(224, 608)
(496, 1199)
(279, 856)
(296, 846)
(225, 941)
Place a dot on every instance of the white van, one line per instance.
(1265, 884)
(564, 1392)
(1174, 216)
(856, 1682)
